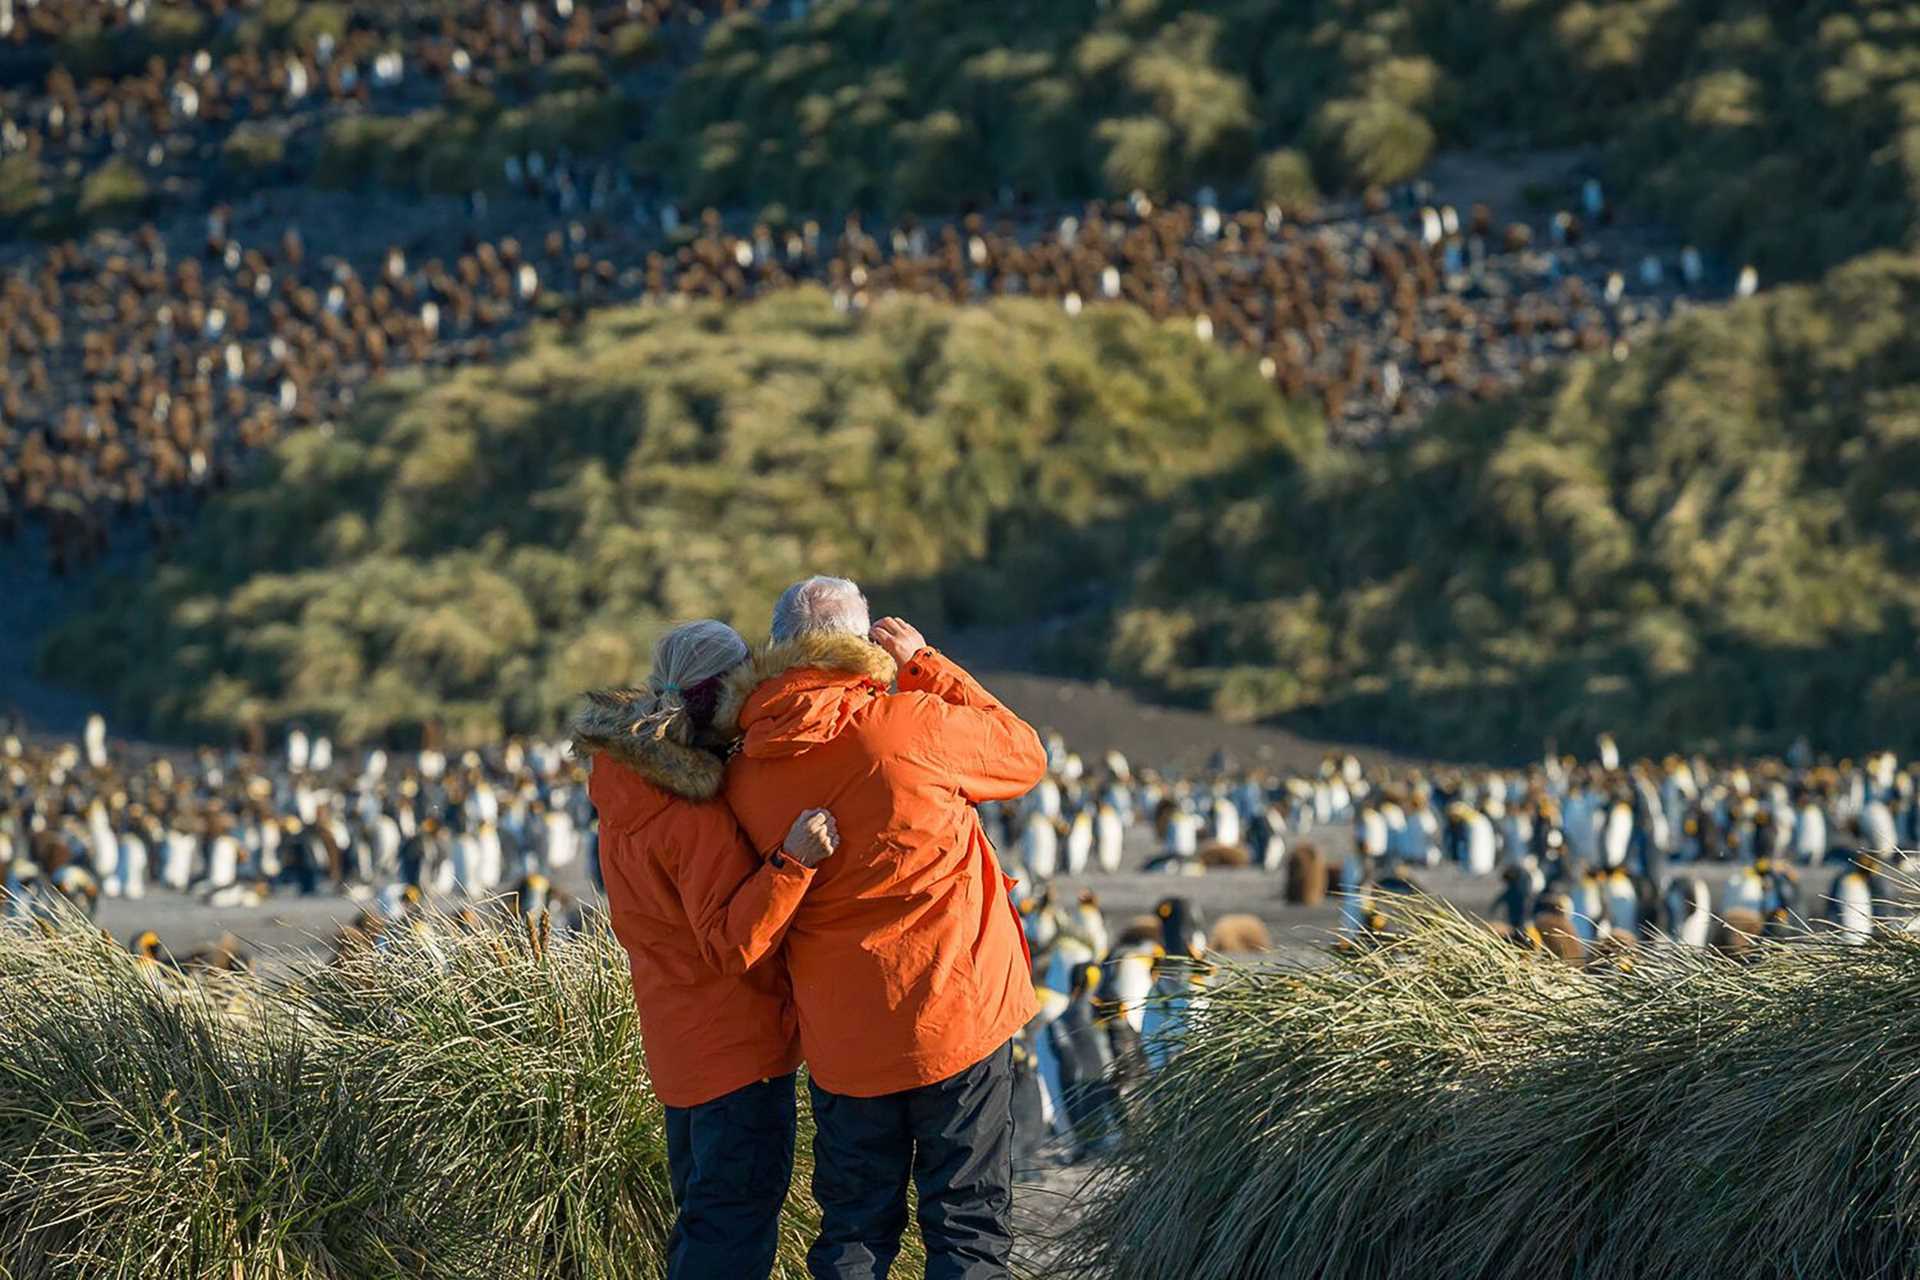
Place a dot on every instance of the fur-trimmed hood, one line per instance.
(611, 722)
(797, 694)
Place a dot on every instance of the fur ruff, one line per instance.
(821, 651)
(612, 723)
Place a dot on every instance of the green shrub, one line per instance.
(637, 42)
(1139, 155)
(87, 49)
(1413, 83)
(1724, 100)
(113, 192)
(1711, 544)
(935, 149)
(575, 71)
(355, 150)
(488, 540)
(1366, 141)
(462, 145)
(23, 189)
(253, 149)
(1285, 178)
(305, 22)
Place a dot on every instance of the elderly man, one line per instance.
(908, 962)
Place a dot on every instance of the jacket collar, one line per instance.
(839, 654)
(610, 723)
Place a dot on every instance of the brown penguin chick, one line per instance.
(1553, 918)
(1738, 935)
(1239, 934)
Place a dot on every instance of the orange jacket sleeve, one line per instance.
(739, 905)
(986, 751)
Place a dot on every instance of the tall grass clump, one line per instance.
(1448, 1105)
(453, 1104)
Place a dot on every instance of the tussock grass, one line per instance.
(1450, 1106)
(455, 1104)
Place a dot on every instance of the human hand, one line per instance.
(813, 838)
(898, 638)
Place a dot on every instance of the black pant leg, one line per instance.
(739, 1162)
(963, 1166)
(862, 1155)
(679, 1125)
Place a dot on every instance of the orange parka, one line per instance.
(696, 908)
(908, 961)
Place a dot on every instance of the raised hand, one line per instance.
(898, 638)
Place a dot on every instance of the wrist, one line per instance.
(786, 863)
(921, 664)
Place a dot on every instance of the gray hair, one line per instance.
(691, 653)
(820, 604)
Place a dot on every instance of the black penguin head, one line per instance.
(1180, 923)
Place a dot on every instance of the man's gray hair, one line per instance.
(820, 604)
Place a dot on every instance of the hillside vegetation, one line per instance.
(1784, 134)
(1716, 542)
(477, 550)
(1788, 135)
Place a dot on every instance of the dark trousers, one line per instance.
(730, 1161)
(954, 1138)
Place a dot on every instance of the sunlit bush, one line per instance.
(113, 192)
(493, 541)
(253, 149)
(1714, 542)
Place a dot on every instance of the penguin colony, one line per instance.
(140, 368)
(1585, 862)
(1582, 861)
(87, 820)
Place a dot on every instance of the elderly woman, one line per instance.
(698, 909)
